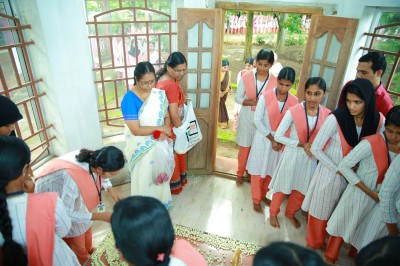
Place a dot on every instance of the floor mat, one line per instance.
(216, 250)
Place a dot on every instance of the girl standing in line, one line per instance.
(168, 80)
(25, 216)
(265, 152)
(341, 132)
(373, 154)
(249, 64)
(297, 164)
(250, 87)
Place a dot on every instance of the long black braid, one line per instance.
(14, 155)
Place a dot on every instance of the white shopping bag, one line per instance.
(188, 134)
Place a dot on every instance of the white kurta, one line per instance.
(354, 205)
(295, 168)
(262, 158)
(326, 185)
(387, 211)
(63, 183)
(63, 255)
(246, 128)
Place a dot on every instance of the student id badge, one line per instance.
(101, 207)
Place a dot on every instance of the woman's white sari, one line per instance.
(140, 150)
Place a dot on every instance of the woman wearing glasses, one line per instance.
(168, 80)
(147, 120)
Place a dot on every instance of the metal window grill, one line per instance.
(120, 38)
(18, 83)
(380, 41)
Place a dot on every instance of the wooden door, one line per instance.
(329, 44)
(200, 33)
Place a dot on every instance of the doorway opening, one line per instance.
(267, 28)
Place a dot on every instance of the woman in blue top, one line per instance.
(147, 120)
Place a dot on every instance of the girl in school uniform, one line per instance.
(265, 152)
(144, 235)
(341, 132)
(250, 87)
(384, 219)
(78, 177)
(296, 166)
(373, 156)
(32, 225)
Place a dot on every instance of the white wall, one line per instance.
(62, 57)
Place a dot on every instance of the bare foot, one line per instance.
(273, 220)
(239, 180)
(266, 201)
(296, 223)
(257, 208)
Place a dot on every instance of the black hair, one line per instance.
(225, 62)
(265, 54)
(142, 69)
(249, 60)
(109, 158)
(174, 59)
(384, 251)
(320, 82)
(287, 73)
(393, 116)
(286, 253)
(378, 61)
(14, 155)
(142, 230)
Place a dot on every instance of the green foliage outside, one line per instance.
(390, 45)
(226, 136)
(295, 39)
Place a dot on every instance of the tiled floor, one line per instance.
(216, 205)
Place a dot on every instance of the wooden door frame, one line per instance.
(215, 83)
(346, 36)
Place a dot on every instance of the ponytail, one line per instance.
(109, 158)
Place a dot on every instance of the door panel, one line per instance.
(328, 48)
(199, 39)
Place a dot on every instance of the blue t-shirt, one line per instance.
(130, 106)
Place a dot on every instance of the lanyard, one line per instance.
(95, 184)
(259, 91)
(308, 127)
(387, 148)
(284, 103)
(15, 193)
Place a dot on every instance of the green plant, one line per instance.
(295, 39)
(226, 136)
(260, 39)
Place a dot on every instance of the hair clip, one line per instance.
(160, 257)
